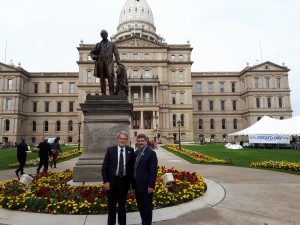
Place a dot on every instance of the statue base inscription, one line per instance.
(104, 118)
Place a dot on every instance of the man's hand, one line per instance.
(106, 186)
(150, 190)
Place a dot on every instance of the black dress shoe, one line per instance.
(17, 173)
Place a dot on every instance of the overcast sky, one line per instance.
(225, 34)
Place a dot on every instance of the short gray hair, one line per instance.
(124, 133)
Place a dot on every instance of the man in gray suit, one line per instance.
(103, 53)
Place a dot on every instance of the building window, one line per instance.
(269, 102)
(71, 106)
(72, 88)
(181, 78)
(70, 125)
(124, 56)
(180, 57)
(46, 126)
(211, 105)
(198, 87)
(223, 124)
(36, 88)
(146, 56)
(70, 139)
(174, 117)
(280, 102)
(89, 77)
(200, 124)
(221, 87)
(147, 122)
(172, 57)
(256, 83)
(278, 83)
(257, 102)
(135, 56)
(58, 106)
(173, 77)
(232, 87)
(33, 140)
(210, 87)
(147, 97)
(60, 88)
(58, 126)
(47, 88)
(33, 126)
(235, 124)
(136, 121)
(212, 124)
(233, 105)
(200, 105)
(147, 74)
(267, 82)
(9, 105)
(222, 105)
(258, 118)
(34, 108)
(281, 118)
(181, 98)
(135, 74)
(6, 125)
(47, 106)
(182, 120)
(173, 98)
(135, 97)
(9, 84)
(97, 80)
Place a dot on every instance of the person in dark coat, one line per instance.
(145, 173)
(22, 149)
(44, 154)
(103, 53)
(55, 151)
(117, 171)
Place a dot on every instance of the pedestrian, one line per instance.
(22, 149)
(117, 173)
(44, 154)
(145, 173)
(55, 151)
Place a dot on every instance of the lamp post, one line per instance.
(179, 138)
(79, 126)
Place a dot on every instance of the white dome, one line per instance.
(137, 10)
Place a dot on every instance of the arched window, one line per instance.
(200, 121)
(182, 119)
(7, 125)
(33, 126)
(212, 124)
(174, 120)
(46, 126)
(223, 124)
(235, 124)
(58, 124)
(70, 125)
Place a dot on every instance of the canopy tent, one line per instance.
(268, 125)
(272, 131)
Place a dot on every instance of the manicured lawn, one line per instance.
(8, 156)
(244, 157)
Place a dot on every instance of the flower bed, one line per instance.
(199, 157)
(281, 165)
(35, 162)
(50, 193)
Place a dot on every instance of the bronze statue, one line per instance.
(122, 81)
(103, 53)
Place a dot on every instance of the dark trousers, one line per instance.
(144, 202)
(118, 194)
(43, 162)
(22, 161)
(102, 70)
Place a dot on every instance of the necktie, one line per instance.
(121, 164)
(137, 162)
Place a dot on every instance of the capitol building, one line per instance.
(165, 93)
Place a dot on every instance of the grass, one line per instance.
(8, 156)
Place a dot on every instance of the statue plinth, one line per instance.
(104, 118)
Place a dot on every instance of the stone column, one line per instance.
(142, 120)
(104, 117)
(153, 95)
(142, 95)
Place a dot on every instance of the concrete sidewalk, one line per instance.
(235, 196)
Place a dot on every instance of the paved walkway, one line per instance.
(235, 196)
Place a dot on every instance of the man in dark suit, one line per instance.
(22, 149)
(103, 53)
(117, 171)
(145, 173)
(44, 154)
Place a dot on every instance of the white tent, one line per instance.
(269, 130)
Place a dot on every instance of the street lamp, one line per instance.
(79, 126)
(179, 124)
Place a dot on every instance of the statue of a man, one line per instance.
(103, 53)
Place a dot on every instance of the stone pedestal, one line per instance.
(104, 117)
